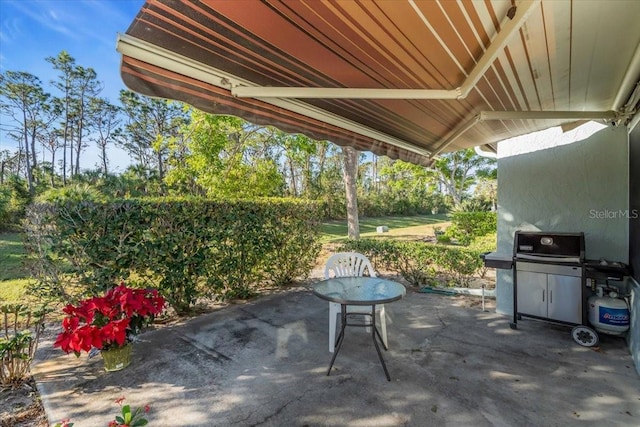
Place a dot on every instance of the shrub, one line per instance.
(21, 330)
(5, 211)
(467, 226)
(71, 193)
(419, 262)
(293, 231)
(482, 245)
(384, 203)
(187, 248)
(14, 197)
(476, 223)
(460, 264)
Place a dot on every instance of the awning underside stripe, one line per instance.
(155, 81)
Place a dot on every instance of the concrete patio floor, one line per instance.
(264, 363)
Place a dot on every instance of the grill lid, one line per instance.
(549, 246)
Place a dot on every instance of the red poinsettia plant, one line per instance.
(109, 321)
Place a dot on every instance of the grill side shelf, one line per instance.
(497, 260)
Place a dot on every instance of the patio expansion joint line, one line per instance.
(210, 351)
(439, 316)
(252, 316)
(299, 397)
(281, 408)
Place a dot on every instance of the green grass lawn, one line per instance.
(14, 276)
(333, 231)
(12, 256)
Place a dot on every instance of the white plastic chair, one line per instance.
(350, 264)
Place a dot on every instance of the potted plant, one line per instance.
(109, 323)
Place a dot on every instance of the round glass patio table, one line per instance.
(366, 291)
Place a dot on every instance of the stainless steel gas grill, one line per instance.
(549, 279)
(554, 282)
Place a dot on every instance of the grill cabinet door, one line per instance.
(565, 298)
(532, 293)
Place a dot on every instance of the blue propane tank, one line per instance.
(608, 313)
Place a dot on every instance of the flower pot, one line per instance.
(116, 359)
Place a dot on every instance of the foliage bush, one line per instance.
(73, 192)
(5, 213)
(187, 248)
(468, 226)
(14, 198)
(476, 224)
(388, 203)
(420, 263)
(21, 328)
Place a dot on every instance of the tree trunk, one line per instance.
(78, 150)
(376, 183)
(34, 159)
(27, 155)
(53, 168)
(65, 141)
(79, 145)
(292, 178)
(64, 159)
(160, 166)
(307, 177)
(71, 153)
(104, 158)
(350, 173)
(322, 155)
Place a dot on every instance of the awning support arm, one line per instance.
(610, 116)
(342, 93)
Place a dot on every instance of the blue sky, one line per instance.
(32, 30)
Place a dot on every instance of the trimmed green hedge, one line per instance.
(188, 248)
(419, 263)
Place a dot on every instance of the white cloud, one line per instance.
(42, 13)
(11, 29)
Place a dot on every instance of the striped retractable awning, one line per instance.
(408, 79)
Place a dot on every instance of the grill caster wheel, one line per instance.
(584, 336)
(513, 325)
